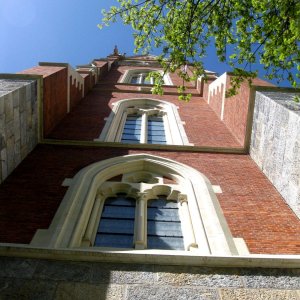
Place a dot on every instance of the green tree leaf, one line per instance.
(244, 32)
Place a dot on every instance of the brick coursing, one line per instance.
(202, 125)
(235, 107)
(54, 94)
(253, 208)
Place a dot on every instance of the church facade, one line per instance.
(136, 194)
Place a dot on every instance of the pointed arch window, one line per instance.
(152, 223)
(145, 121)
(144, 126)
(168, 205)
(141, 77)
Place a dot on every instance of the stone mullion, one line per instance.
(140, 223)
(144, 129)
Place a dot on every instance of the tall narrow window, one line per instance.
(145, 126)
(116, 226)
(134, 79)
(140, 76)
(144, 121)
(156, 130)
(140, 209)
(132, 130)
(163, 225)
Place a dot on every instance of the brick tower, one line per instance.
(110, 191)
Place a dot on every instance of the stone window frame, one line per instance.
(134, 186)
(126, 78)
(174, 129)
(77, 214)
(145, 114)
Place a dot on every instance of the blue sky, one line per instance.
(32, 31)
(56, 31)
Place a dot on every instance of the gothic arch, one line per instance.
(174, 129)
(129, 74)
(209, 232)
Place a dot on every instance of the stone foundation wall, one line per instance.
(275, 143)
(46, 279)
(18, 122)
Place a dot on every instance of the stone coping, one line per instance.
(286, 99)
(159, 257)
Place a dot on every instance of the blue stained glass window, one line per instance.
(134, 79)
(141, 77)
(163, 225)
(116, 226)
(132, 129)
(156, 131)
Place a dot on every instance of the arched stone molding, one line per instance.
(126, 78)
(206, 227)
(173, 125)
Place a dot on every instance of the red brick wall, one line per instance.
(215, 99)
(93, 80)
(205, 88)
(75, 92)
(89, 79)
(55, 99)
(236, 109)
(117, 72)
(253, 208)
(88, 83)
(54, 94)
(86, 122)
(136, 88)
(177, 81)
(102, 69)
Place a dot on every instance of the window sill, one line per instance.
(160, 257)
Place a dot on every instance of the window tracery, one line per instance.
(204, 228)
(141, 77)
(146, 121)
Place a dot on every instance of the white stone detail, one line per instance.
(217, 189)
(126, 78)
(67, 182)
(71, 222)
(217, 86)
(174, 130)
